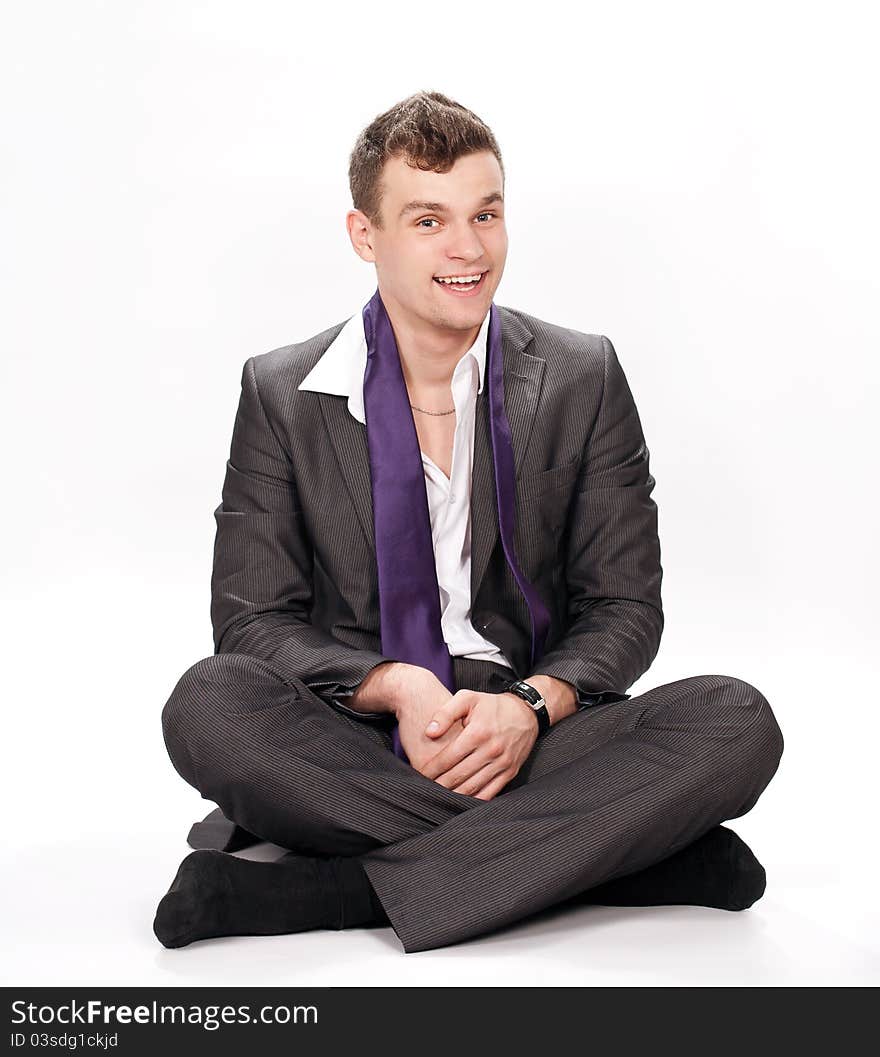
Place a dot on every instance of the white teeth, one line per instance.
(459, 278)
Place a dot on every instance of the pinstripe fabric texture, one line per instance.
(259, 728)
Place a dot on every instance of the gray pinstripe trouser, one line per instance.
(605, 792)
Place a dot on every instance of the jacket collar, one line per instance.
(340, 370)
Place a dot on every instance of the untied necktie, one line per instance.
(409, 594)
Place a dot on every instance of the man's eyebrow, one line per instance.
(439, 207)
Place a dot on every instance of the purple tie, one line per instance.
(409, 595)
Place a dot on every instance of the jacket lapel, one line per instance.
(349, 440)
(523, 373)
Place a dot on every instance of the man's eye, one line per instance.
(433, 220)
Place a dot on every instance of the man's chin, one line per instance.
(460, 326)
(461, 318)
(456, 318)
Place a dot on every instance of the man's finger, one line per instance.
(467, 769)
(494, 787)
(477, 781)
(452, 754)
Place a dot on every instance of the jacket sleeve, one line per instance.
(613, 565)
(261, 583)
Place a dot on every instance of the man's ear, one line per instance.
(360, 231)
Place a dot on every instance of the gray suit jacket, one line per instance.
(294, 579)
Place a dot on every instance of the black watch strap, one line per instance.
(537, 703)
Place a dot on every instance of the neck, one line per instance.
(428, 354)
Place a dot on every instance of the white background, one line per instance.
(696, 181)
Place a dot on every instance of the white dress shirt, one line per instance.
(340, 371)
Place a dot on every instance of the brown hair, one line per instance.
(429, 130)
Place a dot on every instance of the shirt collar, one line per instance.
(340, 370)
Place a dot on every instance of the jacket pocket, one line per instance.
(535, 484)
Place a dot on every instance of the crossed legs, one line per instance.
(605, 793)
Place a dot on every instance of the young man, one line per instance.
(436, 572)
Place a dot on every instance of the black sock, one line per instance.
(360, 904)
(217, 894)
(717, 870)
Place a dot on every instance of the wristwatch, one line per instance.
(533, 699)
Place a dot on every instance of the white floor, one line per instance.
(95, 823)
(84, 911)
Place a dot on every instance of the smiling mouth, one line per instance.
(455, 286)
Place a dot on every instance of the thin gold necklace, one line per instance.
(424, 412)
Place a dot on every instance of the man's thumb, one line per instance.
(455, 708)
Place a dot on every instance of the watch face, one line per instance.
(528, 693)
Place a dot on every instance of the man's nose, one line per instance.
(464, 244)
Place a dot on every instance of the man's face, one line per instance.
(438, 225)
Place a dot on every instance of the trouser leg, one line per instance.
(606, 792)
(291, 769)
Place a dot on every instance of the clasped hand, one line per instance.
(498, 731)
